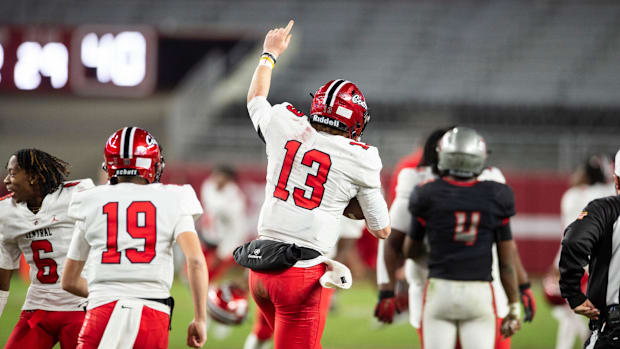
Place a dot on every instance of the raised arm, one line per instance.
(276, 42)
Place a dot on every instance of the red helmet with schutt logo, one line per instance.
(340, 104)
(132, 151)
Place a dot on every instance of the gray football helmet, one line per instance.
(462, 153)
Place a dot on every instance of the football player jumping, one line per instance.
(458, 297)
(390, 254)
(316, 165)
(34, 221)
(126, 229)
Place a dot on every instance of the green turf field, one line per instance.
(349, 326)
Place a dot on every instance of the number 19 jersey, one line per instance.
(127, 231)
(311, 177)
(44, 239)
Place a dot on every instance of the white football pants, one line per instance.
(458, 308)
(570, 327)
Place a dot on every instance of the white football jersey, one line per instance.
(44, 240)
(311, 177)
(224, 223)
(408, 179)
(127, 230)
(575, 199)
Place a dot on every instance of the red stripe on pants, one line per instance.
(294, 304)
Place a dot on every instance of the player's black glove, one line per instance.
(528, 301)
(386, 306)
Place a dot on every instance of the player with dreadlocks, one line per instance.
(34, 221)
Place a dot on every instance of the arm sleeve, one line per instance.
(184, 223)
(9, 255)
(260, 114)
(79, 247)
(374, 208)
(503, 233)
(75, 206)
(382, 275)
(507, 201)
(578, 244)
(399, 211)
(189, 204)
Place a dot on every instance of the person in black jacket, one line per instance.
(593, 241)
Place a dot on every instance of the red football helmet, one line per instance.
(227, 303)
(341, 105)
(132, 151)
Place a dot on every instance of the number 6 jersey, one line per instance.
(44, 239)
(311, 176)
(127, 231)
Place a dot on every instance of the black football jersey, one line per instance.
(461, 221)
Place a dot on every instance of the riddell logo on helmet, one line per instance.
(126, 172)
(325, 121)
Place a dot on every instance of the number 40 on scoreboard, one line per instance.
(89, 60)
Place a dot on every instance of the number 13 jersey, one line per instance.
(127, 231)
(311, 177)
(44, 239)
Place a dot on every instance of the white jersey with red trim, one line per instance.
(311, 177)
(127, 231)
(44, 240)
(407, 180)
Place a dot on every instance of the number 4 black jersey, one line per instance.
(461, 220)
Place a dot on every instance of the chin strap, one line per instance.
(4, 296)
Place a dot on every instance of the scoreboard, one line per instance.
(90, 60)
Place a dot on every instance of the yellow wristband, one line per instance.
(266, 62)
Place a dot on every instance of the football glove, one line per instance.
(528, 301)
(386, 306)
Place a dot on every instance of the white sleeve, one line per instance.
(382, 275)
(374, 208)
(189, 204)
(399, 211)
(75, 206)
(184, 223)
(9, 255)
(367, 168)
(79, 247)
(406, 182)
(260, 112)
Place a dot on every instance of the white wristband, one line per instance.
(515, 309)
(4, 296)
